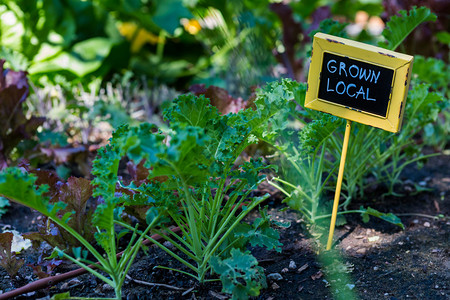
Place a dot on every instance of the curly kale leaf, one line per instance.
(20, 187)
(250, 173)
(399, 27)
(316, 132)
(262, 234)
(432, 71)
(192, 110)
(228, 135)
(272, 106)
(240, 274)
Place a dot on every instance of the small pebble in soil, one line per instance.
(275, 276)
(375, 268)
(275, 286)
(292, 265)
(284, 270)
(374, 238)
(361, 251)
(169, 245)
(303, 268)
(426, 224)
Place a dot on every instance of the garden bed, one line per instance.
(383, 261)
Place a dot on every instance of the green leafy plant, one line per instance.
(239, 274)
(422, 109)
(436, 73)
(21, 187)
(371, 150)
(399, 27)
(303, 165)
(307, 165)
(212, 196)
(192, 182)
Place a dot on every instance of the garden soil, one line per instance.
(381, 260)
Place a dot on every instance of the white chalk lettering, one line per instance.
(342, 67)
(333, 66)
(350, 71)
(337, 86)
(328, 86)
(361, 91)
(370, 99)
(349, 86)
(362, 74)
(375, 76)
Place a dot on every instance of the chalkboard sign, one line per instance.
(358, 82)
(355, 84)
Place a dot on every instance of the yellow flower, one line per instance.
(137, 36)
(192, 26)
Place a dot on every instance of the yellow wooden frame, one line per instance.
(400, 63)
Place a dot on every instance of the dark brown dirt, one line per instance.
(382, 261)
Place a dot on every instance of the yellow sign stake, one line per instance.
(339, 184)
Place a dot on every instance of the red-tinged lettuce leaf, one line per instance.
(75, 193)
(45, 192)
(45, 268)
(138, 172)
(8, 260)
(43, 177)
(14, 126)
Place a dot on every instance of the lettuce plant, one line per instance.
(21, 187)
(14, 125)
(8, 259)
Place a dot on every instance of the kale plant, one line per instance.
(199, 186)
(192, 182)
